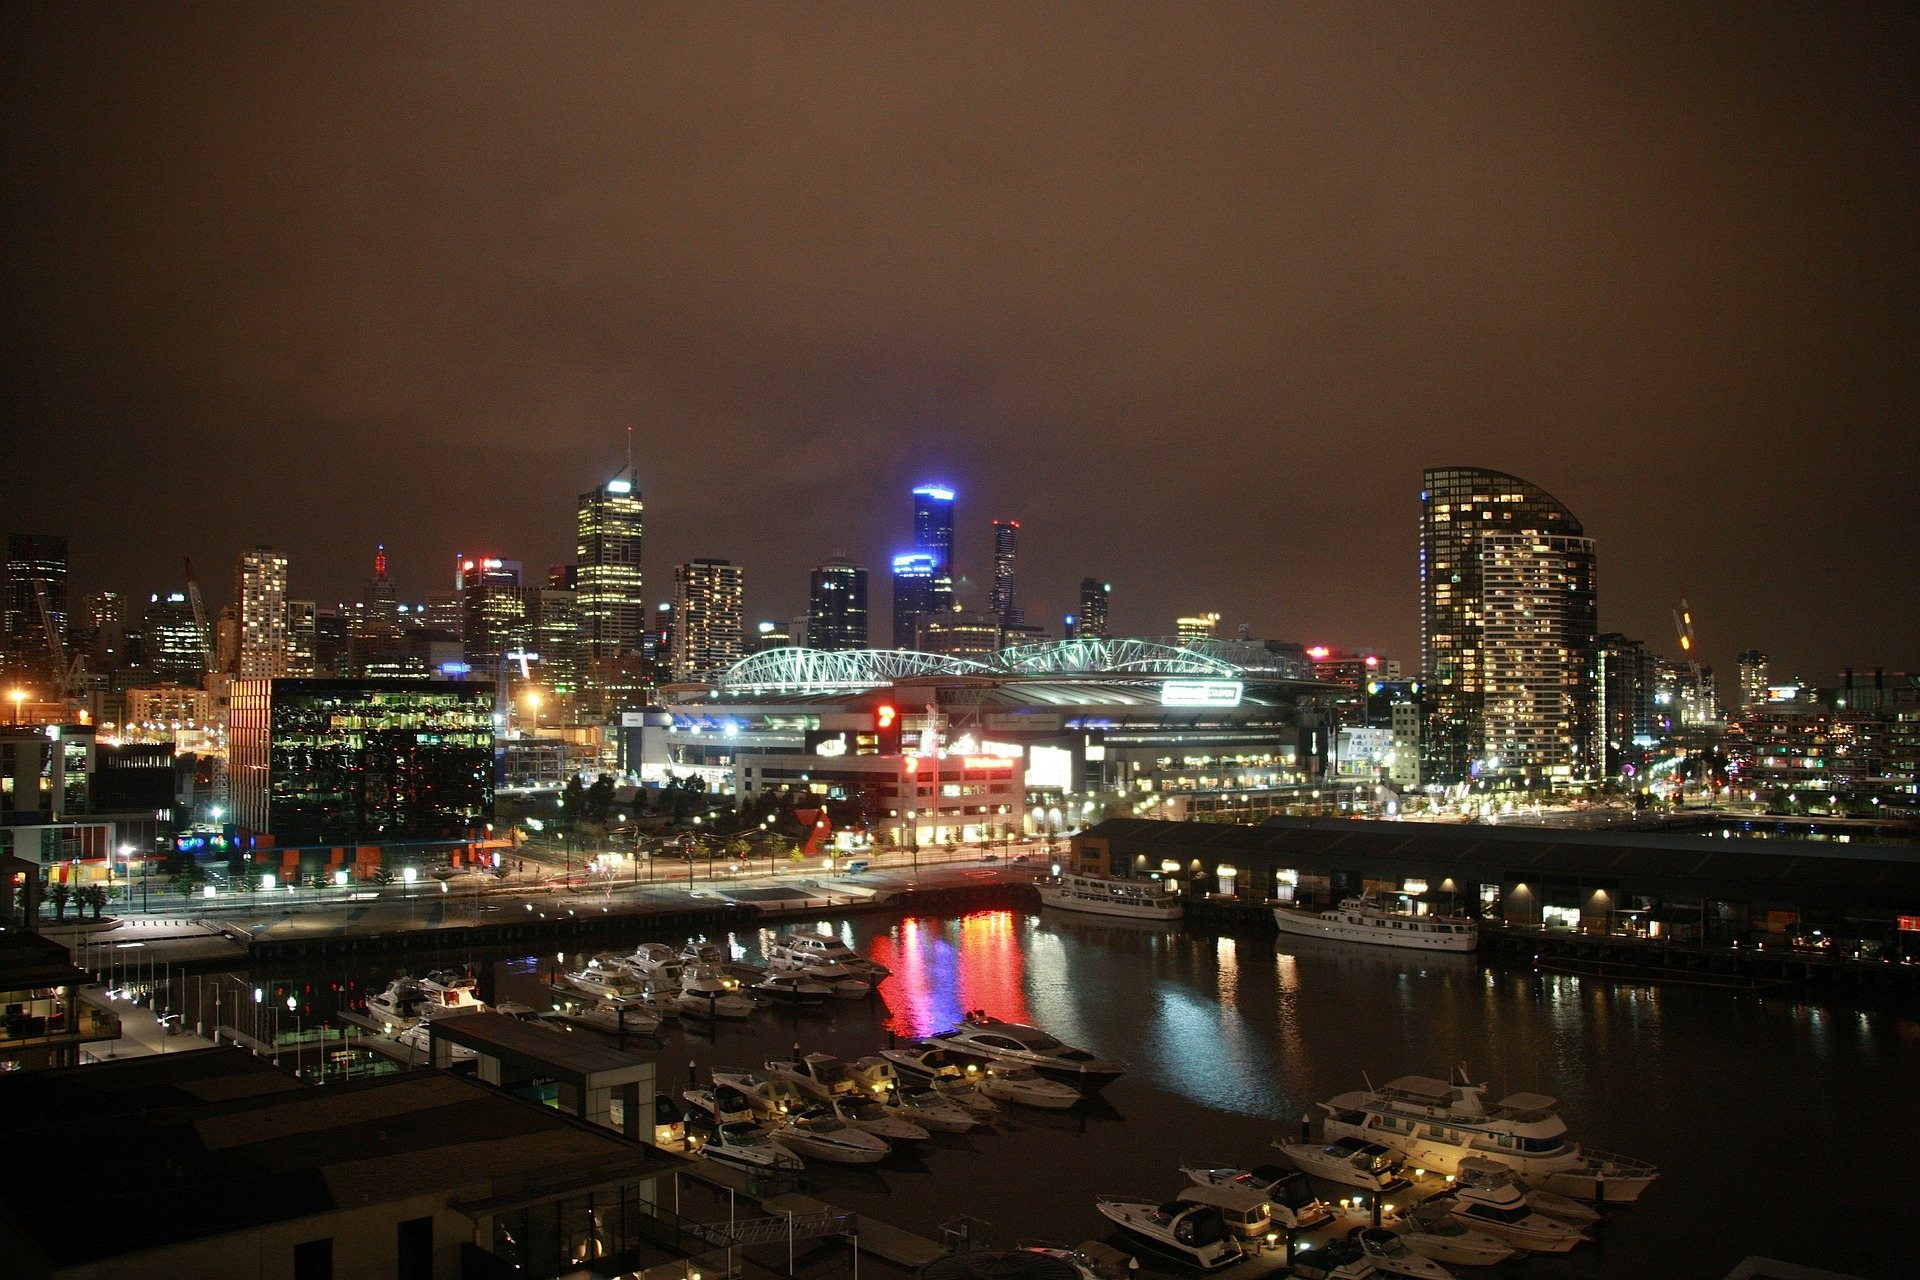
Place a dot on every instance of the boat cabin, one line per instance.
(1246, 1213)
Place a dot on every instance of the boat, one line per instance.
(1287, 1191)
(1392, 1255)
(1351, 1162)
(398, 1006)
(722, 1104)
(1016, 1044)
(655, 962)
(1436, 1124)
(606, 980)
(444, 993)
(842, 982)
(1370, 920)
(420, 1039)
(1092, 1260)
(740, 1144)
(1502, 1210)
(793, 989)
(1194, 1233)
(617, 1017)
(927, 1107)
(700, 951)
(867, 1114)
(768, 1097)
(1478, 1171)
(1335, 1260)
(818, 949)
(1247, 1213)
(1432, 1231)
(1134, 899)
(704, 993)
(954, 1080)
(1027, 1087)
(820, 1076)
(817, 1134)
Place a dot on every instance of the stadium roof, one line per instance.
(799, 670)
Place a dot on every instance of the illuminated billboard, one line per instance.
(1200, 693)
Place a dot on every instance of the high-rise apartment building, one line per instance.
(1625, 673)
(1507, 631)
(613, 610)
(1006, 547)
(1091, 622)
(303, 639)
(260, 615)
(837, 607)
(1753, 678)
(708, 617)
(913, 594)
(36, 595)
(933, 506)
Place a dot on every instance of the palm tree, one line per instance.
(95, 896)
(59, 894)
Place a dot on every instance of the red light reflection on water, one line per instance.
(941, 969)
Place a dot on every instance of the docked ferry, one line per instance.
(1134, 899)
(1371, 921)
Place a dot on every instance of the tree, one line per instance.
(59, 894)
(95, 896)
(190, 882)
(599, 798)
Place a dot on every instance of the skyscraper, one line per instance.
(913, 578)
(176, 649)
(1624, 675)
(1753, 678)
(378, 602)
(36, 577)
(303, 640)
(613, 611)
(708, 617)
(837, 607)
(1006, 546)
(1198, 626)
(493, 613)
(1507, 631)
(1091, 622)
(260, 615)
(933, 535)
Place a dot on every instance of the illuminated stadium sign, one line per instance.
(1200, 693)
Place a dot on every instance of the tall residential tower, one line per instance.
(707, 617)
(837, 607)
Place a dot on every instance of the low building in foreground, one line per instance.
(48, 1014)
(214, 1163)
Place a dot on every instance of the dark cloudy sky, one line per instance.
(1194, 291)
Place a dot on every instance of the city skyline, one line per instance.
(1671, 293)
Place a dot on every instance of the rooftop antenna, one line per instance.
(630, 452)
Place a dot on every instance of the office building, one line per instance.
(613, 609)
(333, 762)
(493, 613)
(1196, 627)
(260, 615)
(837, 607)
(379, 602)
(1006, 548)
(558, 634)
(769, 635)
(1753, 678)
(933, 508)
(303, 640)
(707, 617)
(959, 633)
(174, 647)
(913, 594)
(1091, 621)
(1507, 630)
(36, 605)
(53, 1009)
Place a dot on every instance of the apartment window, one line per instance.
(414, 1239)
(313, 1260)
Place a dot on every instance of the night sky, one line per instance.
(1194, 292)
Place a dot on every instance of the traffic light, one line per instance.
(886, 729)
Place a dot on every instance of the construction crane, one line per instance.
(199, 620)
(66, 678)
(1683, 627)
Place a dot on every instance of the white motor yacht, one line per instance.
(419, 1039)
(817, 1134)
(741, 1144)
(768, 1097)
(1502, 1210)
(614, 1017)
(793, 989)
(656, 963)
(1132, 899)
(842, 982)
(722, 1104)
(398, 1006)
(445, 992)
(808, 948)
(700, 951)
(1436, 1124)
(1390, 1254)
(955, 1081)
(1092, 1260)
(608, 981)
(820, 1076)
(1335, 1260)
(1027, 1087)
(1433, 1232)
(1247, 1213)
(867, 1114)
(704, 993)
(1194, 1233)
(1350, 1162)
(1287, 1191)
(1478, 1171)
(1016, 1044)
(1371, 921)
(927, 1107)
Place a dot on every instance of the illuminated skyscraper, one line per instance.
(175, 647)
(1507, 631)
(1006, 546)
(707, 617)
(36, 576)
(378, 602)
(1091, 622)
(303, 641)
(933, 534)
(260, 615)
(1753, 678)
(1198, 626)
(913, 579)
(613, 611)
(493, 613)
(837, 607)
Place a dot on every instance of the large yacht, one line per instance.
(814, 950)
(445, 992)
(1016, 1044)
(1134, 899)
(1371, 921)
(1435, 1125)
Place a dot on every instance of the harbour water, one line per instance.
(1782, 1126)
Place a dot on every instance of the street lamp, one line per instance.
(19, 696)
(533, 705)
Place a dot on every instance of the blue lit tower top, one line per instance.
(913, 582)
(933, 534)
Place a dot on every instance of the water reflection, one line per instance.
(943, 968)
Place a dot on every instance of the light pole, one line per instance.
(17, 696)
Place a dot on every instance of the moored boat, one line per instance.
(1392, 1255)
(1288, 1194)
(1351, 1162)
(1153, 899)
(1502, 1210)
(1194, 1233)
(1368, 920)
(983, 1036)
(1433, 1232)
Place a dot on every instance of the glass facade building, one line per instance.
(613, 609)
(933, 506)
(336, 761)
(913, 577)
(837, 607)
